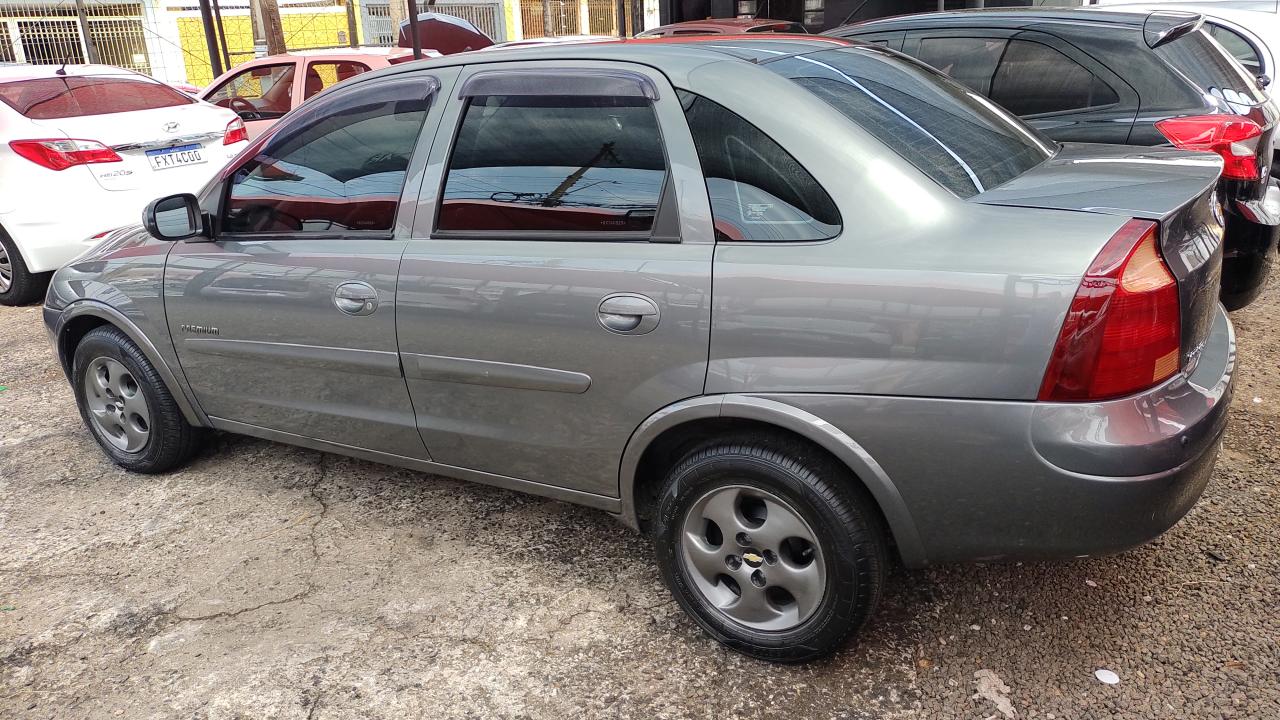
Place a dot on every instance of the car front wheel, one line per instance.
(126, 405)
(771, 546)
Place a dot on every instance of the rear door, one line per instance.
(967, 55)
(557, 288)
(322, 74)
(286, 320)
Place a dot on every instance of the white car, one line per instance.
(83, 149)
(1247, 29)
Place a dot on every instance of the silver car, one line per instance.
(797, 309)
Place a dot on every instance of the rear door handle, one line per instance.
(628, 314)
(355, 298)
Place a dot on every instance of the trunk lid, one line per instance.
(1175, 188)
(184, 138)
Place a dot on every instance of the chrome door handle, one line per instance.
(628, 314)
(355, 298)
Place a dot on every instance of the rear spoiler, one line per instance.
(1164, 26)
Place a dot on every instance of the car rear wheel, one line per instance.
(771, 546)
(18, 286)
(127, 407)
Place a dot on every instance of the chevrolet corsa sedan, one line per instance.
(623, 275)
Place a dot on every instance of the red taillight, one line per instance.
(1123, 332)
(1233, 137)
(235, 133)
(62, 154)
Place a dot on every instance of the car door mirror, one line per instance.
(1263, 81)
(175, 217)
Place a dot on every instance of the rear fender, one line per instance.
(786, 417)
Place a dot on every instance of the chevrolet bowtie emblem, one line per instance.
(171, 127)
(752, 558)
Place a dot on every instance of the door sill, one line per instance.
(577, 497)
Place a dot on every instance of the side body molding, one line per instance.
(174, 382)
(763, 409)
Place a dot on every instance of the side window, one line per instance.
(757, 190)
(1033, 79)
(1237, 46)
(262, 93)
(340, 167)
(969, 61)
(321, 75)
(555, 163)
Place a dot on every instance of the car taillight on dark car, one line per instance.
(60, 154)
(1233, 137)
(1123, 332)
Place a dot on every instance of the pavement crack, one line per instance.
(312, 536)
(236, 613)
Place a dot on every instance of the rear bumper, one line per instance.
(990, 480)
(48, 240)
(1253, 228)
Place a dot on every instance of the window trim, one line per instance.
(1054, 113)
(573, 82)
(666, 196)
(433, 93)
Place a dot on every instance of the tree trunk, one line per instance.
(399, 13)
(271, 27)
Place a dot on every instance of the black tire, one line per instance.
(171, 439)
(825, 495)
(25, 287)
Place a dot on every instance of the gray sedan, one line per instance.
(796, 309)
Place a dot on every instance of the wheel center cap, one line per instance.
(753, 558)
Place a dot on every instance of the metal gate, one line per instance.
(376, 19)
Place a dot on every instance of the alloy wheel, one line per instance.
(753, 557)
(117, 405)
(6, 270)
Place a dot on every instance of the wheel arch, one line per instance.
(80, 317)
(663, 431)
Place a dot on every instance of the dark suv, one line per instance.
(1130, 78)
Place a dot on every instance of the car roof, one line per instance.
(347, 51)
(18, 72)
(671, 55)
(733, 23)
(1010, 18)
(654, 49)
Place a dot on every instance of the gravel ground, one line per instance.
(267, 581)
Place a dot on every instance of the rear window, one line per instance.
(1211, 69)
(63, 97)
(953, 135)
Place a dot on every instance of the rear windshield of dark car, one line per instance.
(1203, 61)
(953, 135)
(64, 97)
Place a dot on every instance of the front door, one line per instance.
(286, 321)
(260, 95)
(557, 288)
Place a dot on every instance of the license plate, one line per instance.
(176, 156)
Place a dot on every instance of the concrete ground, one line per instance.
(266, 581)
